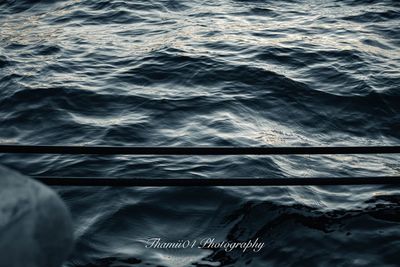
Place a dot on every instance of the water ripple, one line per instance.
(230, 72)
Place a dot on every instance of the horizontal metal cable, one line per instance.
(126, 182)
(114, 150)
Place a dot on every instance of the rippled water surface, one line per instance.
(226, 72)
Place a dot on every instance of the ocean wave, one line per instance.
(196, 73)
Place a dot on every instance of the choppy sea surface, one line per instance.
(220, 73)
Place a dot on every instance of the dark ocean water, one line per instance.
(240, 73)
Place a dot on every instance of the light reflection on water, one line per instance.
(225, 73)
